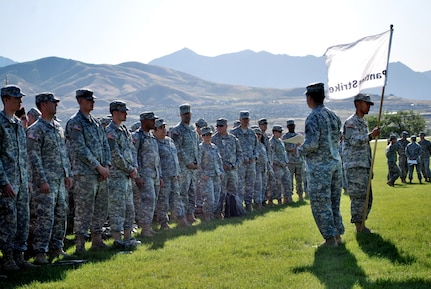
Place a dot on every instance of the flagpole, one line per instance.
(367, 197)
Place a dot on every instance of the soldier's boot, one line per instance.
(300, 198)
(118, 243)
(206, 217)
(146, 231)
(8, 261)
(420, 181)
(129, 242)
(97, 242)
(40, 259)
(182, 222)
(21, 262)
(80, 245)
(164, 226)
(191, 218)
(279, 202)
(270, 203)
(249, 208)
(56, 253)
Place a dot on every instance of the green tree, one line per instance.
(397, 122)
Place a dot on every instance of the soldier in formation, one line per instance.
(391, 156)
(425, 156)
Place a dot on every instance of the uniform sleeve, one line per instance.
(312, 136)
(34, 151)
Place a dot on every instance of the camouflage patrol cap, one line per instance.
(12, 91)
(160, 122)
(404, 133)
(85, 94)
(413, 137)
(118, 105)
(221, 122)
(34, 112)
(105, 120)
(278, 128)
(316, 87)
(290, 122)
(244, 114)
(46, 96)
(257, 130)
(421, 133)
(135, 126)
(392, 136)
(148, 115)
(262, 121)
(185, 108)
(206, 130)
(363, 97)
(201, 123)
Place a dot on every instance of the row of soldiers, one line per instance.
(102, 167)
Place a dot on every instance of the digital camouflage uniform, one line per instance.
(269, 184)
(149, 169)
(357, 164)
(88, 148)
(413, 153)
(323, 169)
(402, 159)
(281, 171)
(247, 169)
(295, 164)
(15, 211)
(393, 169)
(262, 165)
(231, 154)
(123, 158)
(49, 163)
(425, 158)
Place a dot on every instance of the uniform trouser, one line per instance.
(296, 169)
(246, 178)
(149, 195)
(188, 180)
(229, 184)
(357, 186)
(91, 204)
(271, 185)
(259, 185)
(393, 172)
(210, 190)
(402, 163)
(136, 201)
(169, 199)
(283, 182)
(15, 220)
(324, 189)
(418, 170)
(425, 167)
(121, 207)
(49, 216)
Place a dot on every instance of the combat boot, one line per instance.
(40, 259)
(80, 245)
(182, 222)
(97, 242)
(164, 226)
(146, 231)
(56, 253)
(20, 261)
(191, 218)
(9, 262)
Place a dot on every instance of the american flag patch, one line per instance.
(77, 127)
(31, 136)
(110, 136)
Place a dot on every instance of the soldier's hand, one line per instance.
(161, 183)
(68, 183)
(8, 191)
(375, 132)
(139, 183)
(44, 188)
(133, 173)
(103, 171)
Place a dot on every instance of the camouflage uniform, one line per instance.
(88, 148)
(231, 154)
(402, 160)
(49, 163)
(357, 164)
(262, 165)
(295, 164)
(413, 153)
(393, 169)
(323, 169)
(187, 141)
(149, 171)
(281, 171)
(247, 169)
(123, 158)
(425, 157)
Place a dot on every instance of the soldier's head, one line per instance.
(315, 93)
(263, 124)
(185, 113)
(47, 103)
(221, 126)
(244, 118)
(277, 130)
(160, 129)
(422, 135)
(148, 120)
(11, 96)
(290, 124)
(85, 98)
(118, 109)
(362, 104)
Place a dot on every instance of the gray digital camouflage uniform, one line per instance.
(393, 169)
(281, 171)
(413, 153)
(402, 159)
(295, 164)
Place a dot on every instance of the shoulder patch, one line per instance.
(77, 127)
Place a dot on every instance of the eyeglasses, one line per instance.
(219, 125)
(207, 134)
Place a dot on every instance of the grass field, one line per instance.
(272, 248)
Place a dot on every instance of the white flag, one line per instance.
(356, 66)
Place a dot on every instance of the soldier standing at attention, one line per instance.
(413, 153)
(123, 171)
(425, 156)
(90, 159)
(32, 116)
(187, 142)
(323, 165)
(269, 182)
(149, 169)
(391, 156)
(296, 163)
(357, 160)
(50, 167)
(14, 194)
(402, 160)
(247, 170)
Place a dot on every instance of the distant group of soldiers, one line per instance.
(411, 155)
(127, 176)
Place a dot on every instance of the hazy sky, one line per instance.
(111, 32)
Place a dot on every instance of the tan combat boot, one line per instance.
(80, 245)
(146, 231)
(40, 259)
(190, 218)
(182, 222)
(97, 242)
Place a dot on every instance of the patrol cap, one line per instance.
(364, 97)
(392, 136)
(221, 122)
(118, 105)
(413, 137)
(160, 122)
(315, 88)
(12, 91)
(262, 121)
(278, 128)
(148, 115)
(185, 108)
(236, 123)
(244, 114)
(135, 126)
(257, 131)
(105, 120)
(34, 112)
(404, 133)
(46, 96)
(206, 130)
(421, 133)
(290, 122)
(201, 123)
(85, 94)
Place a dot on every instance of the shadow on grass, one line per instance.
(375, 246)
(338, 268)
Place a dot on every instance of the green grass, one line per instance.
(273, 248)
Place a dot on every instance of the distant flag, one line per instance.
(359, 65)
